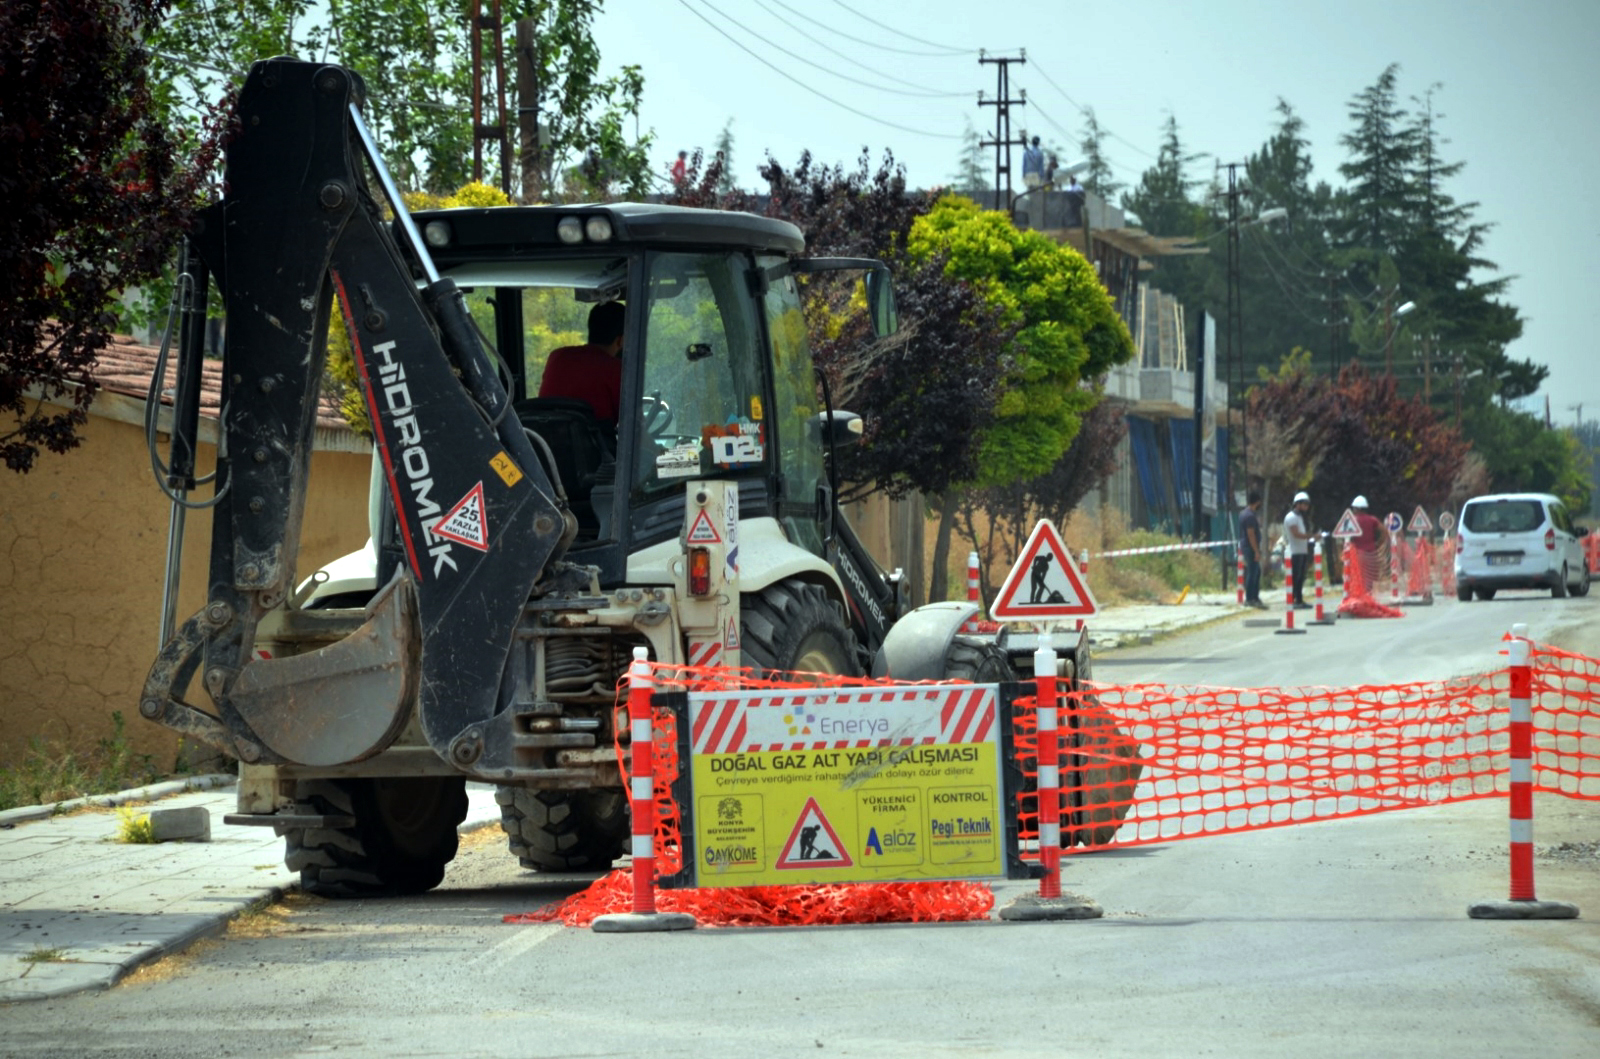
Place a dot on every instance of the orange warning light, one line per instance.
(699, 571)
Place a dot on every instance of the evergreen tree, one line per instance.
(1098, 178)
(1380, 201)
(725, 184)
(971, 177)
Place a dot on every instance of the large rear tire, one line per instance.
(980, 661)
(792, 626)
(564, 830)
(404, 835)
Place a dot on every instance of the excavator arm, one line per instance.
(298, 235)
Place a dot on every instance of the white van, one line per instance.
(1519, 540)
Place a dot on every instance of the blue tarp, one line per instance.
(1146, 448)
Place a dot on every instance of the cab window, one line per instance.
(701, 399)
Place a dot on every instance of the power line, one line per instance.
(1085, 112)
(852, 59)
(818, 66)
(1034, 103)
(869, 43)
(902, 33)
(819, 94)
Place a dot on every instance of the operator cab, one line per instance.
(717, 373)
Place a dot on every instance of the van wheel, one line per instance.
(1558, 590)
(564, 830)
(404, 835)
(1582, 587)
(1484, 594)
(1464, 593)
(792, 626)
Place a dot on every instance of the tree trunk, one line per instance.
(939, 576)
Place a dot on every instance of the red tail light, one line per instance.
(699, 572)
(1550, 539)
(1461, 543)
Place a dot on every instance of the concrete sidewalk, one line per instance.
(79, 910)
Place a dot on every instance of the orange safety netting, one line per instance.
(1419, 582)
(1147, 763)
(1360, 572)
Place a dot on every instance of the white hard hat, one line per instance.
(1359, 501)
(1302, 498)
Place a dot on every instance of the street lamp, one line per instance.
(1389, 320)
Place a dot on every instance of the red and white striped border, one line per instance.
(966, 715)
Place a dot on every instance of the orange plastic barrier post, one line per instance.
(1044, 672)
(1523, 904)
(1239, 579)
(1288, 596)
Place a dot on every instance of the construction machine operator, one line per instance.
(591, 372)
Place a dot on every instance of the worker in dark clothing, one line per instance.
(591, 372)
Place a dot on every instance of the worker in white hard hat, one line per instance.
(1366, 544)
(1297, 537)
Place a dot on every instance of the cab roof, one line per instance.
(519, 231)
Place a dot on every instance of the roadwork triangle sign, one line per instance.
(1348, 526)
(1420, 523)
(465, 522)
(703, 532)
(1045, 583)
(813, 843)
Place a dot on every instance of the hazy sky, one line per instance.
(1519, 102)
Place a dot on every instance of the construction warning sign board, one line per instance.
(1045, 583)
(1447, 521)
(1393, 522)
(1348, 527)
(837, 785)
(1420, 523)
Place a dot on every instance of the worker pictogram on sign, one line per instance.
(702, 531)
(1045, 583)
(1348, 526)
(465, 523)
(813, 843)
(1420, 523)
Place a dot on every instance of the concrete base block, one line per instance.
(192, 824)
(1417, 601)
(1297, 630)
(1031, 908)
(638, 923)
(1523, 910)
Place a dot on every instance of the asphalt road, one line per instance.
(1339, 938)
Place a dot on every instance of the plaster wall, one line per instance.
(83, 541)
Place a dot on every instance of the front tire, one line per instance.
(564, 830)
(792, 627)
(404, 835)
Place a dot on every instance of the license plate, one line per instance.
(1504, 560)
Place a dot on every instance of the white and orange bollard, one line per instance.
(1050, 903)
(1288, 597)
(1239, 578)
(1396, 574)
(642, 804)
(974, 593)
(1318, 616)
(1523, 904)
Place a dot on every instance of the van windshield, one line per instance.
(1504, 516)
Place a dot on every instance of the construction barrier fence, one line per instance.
(1152, 763)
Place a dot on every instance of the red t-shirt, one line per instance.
(1368, 540)
(588, 373)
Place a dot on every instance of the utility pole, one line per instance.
(528, 111)
(1002, 104)
(1234, 330)
(495, 131)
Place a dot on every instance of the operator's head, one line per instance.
(1359, 503)
(605, 323)
(1302, 498)
(1036, 141)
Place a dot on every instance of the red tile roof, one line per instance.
(125, 367)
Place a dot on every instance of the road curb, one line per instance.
(153, 792)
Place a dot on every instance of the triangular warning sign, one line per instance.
(466, 522)
(813, 843)
(731, 641)
(701, 531)
(1420, 523)
(1348, 526)
(1045, 583)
